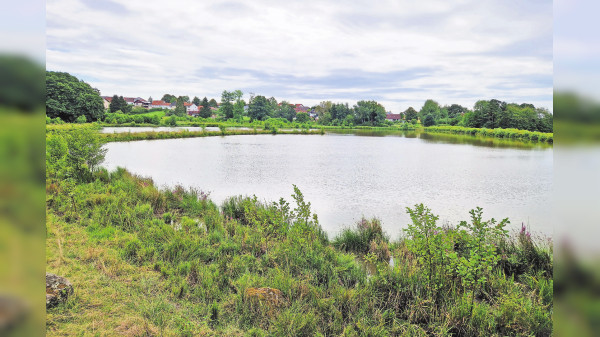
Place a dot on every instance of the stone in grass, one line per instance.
(58, 289)
(270, 296)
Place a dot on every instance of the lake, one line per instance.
(347, 175)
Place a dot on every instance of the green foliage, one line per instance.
(169, 98)
(497, 114)
(205, 111)
(75, 154)
(433, 247)
(196, 101)
(369, 112)
(367, 237)
(118, 103)
(284, 110)
(138, 110)
(430, 107)
(429, 120)
(497, 133)
(303, 117)
(475, 266)
(410, 114)
(259, 108)
(68, 98)
(171, 121)
(179, 107)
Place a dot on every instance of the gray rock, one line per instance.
(58, 289)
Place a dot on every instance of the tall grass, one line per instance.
(497, 133)
(149, 135)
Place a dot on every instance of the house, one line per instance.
(135, 101)
(129, 100)
(160, 105)
(138, 101)
(300, 108)
(106, 101)
(192, 109)
(393, 117)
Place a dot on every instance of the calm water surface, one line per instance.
(348, 175)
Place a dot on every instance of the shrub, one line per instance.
(475, 266)
(431, 246)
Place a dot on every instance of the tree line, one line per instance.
(69, 98)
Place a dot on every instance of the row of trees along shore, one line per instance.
(73, 100)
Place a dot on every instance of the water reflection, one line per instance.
(446, 138)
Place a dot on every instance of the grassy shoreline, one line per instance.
(149, 135)
(150, 261)
(513, 134)
(507, 134)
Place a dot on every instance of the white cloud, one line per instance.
(452, 52)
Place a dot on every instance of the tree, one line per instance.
(430, 107)
(238, 109)
(456, 110)
(259, 109)
(186, 99)
(213, 103)
(493, 113)
(68, 98)
(237, 95)
(150, 99)
(205, 111)
(369, 112)
(85, 153)
(302, 117)
(196, 101)
(179, 107)
(410, 114)
(123, 106)
(323, 111)
(477, 118)
(429, 120)
(339, 111)
(238, 105)
(544, 120)
(285, 110)
(226, 105)
(115, 104)
(169, 98)
(273, 103)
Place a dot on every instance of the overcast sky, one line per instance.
(399, 53)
